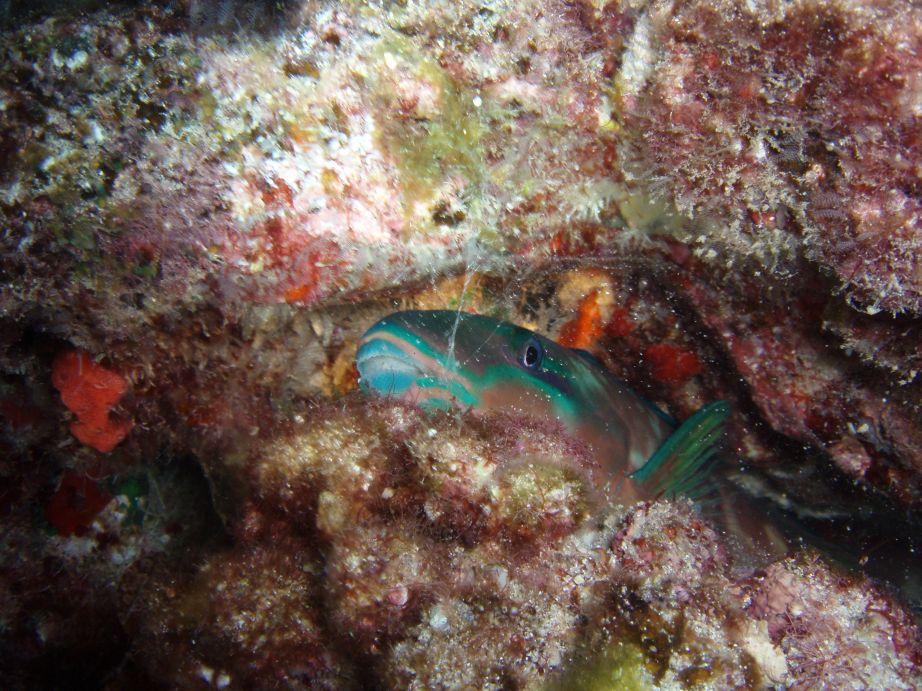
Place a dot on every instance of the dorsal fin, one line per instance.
(586, 355)
(595, 362)
(682, 464)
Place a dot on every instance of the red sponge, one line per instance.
(90, 391)
(672, 364)
(76, 503)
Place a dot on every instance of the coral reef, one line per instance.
(204, 205)
(851, 622)
(383, 547)
(793, 124)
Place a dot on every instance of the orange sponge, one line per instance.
(89, 391)
(586, 328)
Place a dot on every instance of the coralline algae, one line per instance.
(208, 204)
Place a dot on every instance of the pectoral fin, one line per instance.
(681, 466)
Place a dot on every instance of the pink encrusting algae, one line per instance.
(795, 126)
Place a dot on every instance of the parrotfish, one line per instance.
(446, 359)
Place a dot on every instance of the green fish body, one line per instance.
(446, 359)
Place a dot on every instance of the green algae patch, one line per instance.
(620, 665)
(428, 124)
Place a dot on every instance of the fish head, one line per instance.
(447, 359)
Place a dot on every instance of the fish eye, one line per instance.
(532, 354)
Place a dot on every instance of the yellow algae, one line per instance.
(621, 665)
(430, 126)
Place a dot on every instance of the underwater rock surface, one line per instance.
(382, 548)
(204, 205)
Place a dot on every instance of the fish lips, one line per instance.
(384, 368)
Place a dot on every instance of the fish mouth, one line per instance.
(385, 368)
(400, 366)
